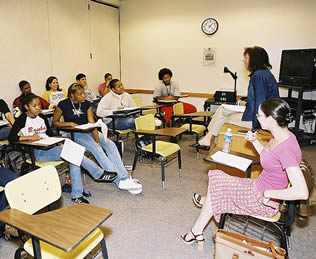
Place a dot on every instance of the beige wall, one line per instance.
(40, 38)
(156, 34)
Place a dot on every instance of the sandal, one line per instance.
(197, 200)
(199, 238)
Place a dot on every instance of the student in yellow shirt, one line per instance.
(53, 93)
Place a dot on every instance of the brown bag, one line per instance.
(237, 246)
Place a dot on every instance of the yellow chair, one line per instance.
(191, 128)
(22, 195)
(156, 149)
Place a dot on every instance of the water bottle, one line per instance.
(227, 140)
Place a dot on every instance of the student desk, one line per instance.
(255, 160)
(72, 130)
(63, 228)
(167, 132)
(193, 115)
(29, 145)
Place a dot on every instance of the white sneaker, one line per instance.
(130, 185)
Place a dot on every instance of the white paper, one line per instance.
(232, 160)
(47, 111)
(98, 124)
(167, 101)
(3, 122)
(72, 152)
(85, 126)
(49, 141)
(235, 108)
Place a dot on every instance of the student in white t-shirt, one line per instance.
(34, 126)
(53, 93)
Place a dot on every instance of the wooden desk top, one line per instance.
(64, 228)
(153, 106)
(31, 143)
(196, 114)
(255, 160)
(74, 129)
(170, 132)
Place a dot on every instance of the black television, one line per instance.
(298, 67)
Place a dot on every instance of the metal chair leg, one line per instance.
(104, 250)
(179, 163)
(163, 172)
(135, 160)
(222, 221)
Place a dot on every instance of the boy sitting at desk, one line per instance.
(25, 88)
(117, 99)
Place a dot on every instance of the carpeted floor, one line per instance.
(149, 225)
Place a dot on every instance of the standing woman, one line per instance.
(34, 126)
(53, 93)
(262, 86)
(76, 110)
(280, 160)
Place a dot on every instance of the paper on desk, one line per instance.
(232, 160)
(167, 101)
(68, 153)
(49, 141)
(98, 124)
(3, 122)
(47, 111)
(235, 108)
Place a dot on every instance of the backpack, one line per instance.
(16, 162)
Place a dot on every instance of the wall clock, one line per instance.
(209, 26)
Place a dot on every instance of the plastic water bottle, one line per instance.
(227, 140)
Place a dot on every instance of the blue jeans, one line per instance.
(111, 161)
(53, 154)
(4, 132)
(123, 123)
(6, 176)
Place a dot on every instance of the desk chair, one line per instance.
(192, 129)
(157, 149)
(280, 223)
(22, 195)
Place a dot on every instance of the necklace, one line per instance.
(78, 111)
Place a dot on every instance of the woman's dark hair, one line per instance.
(25, 100)
(73, 88)
(106, 75)
(79, 76)
(279, 110)
(164, 71)
(23, 83)
(258, 58)
(112, 83)
(49, 81)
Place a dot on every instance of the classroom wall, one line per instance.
(40, 38)
(156, 34)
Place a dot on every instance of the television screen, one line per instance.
(297, 66)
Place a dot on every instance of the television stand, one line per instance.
(298, 106)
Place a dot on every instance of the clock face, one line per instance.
(209, 26)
